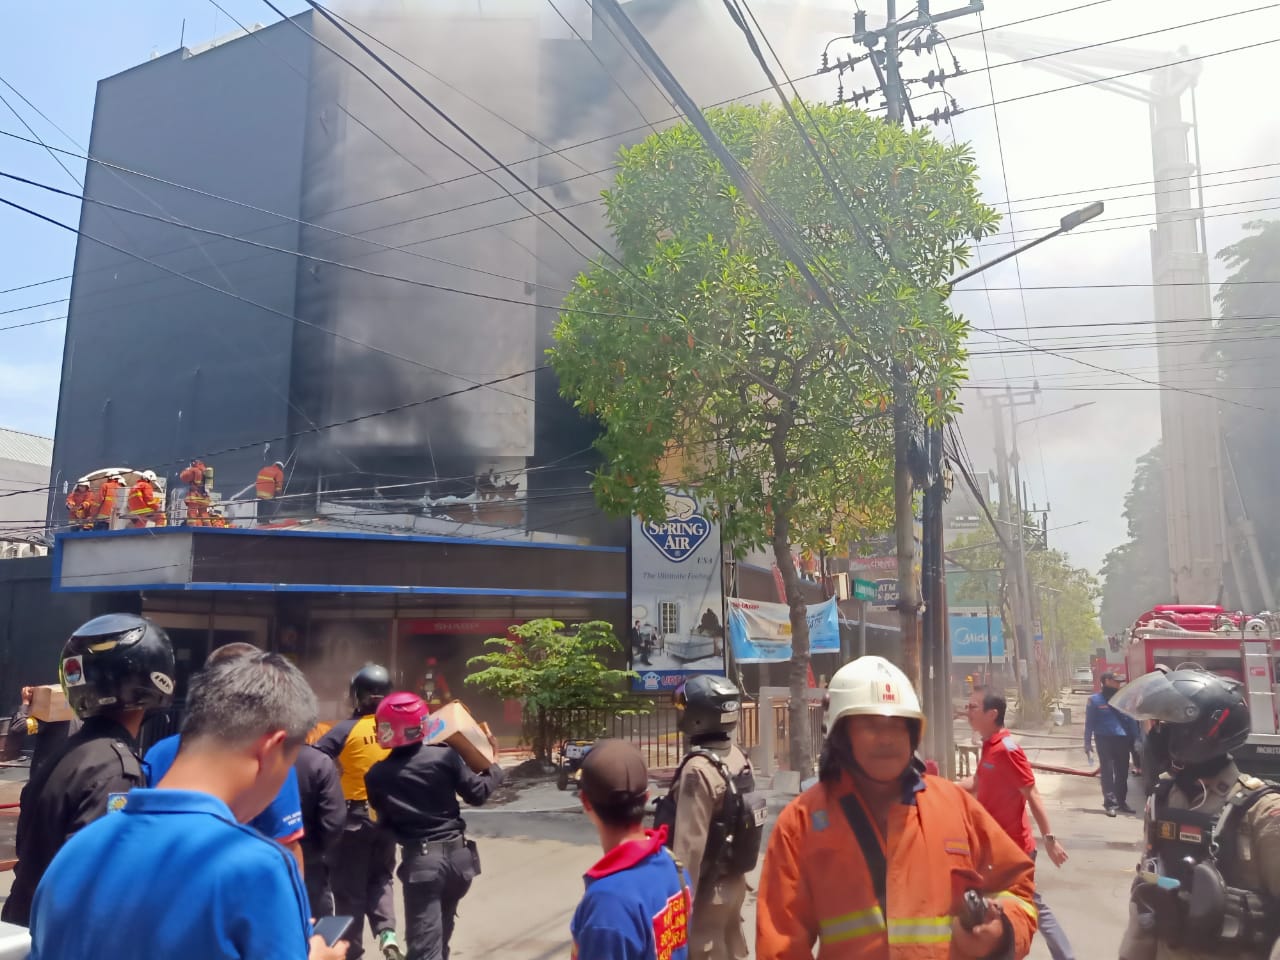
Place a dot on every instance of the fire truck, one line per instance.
(1244, 647)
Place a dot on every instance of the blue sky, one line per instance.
(54, 54)
(1087, 140)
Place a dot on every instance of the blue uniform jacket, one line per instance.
(1103, 720)
(636, 906)
(281, 821)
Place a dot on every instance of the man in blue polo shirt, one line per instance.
(174, 873)
(282, 820)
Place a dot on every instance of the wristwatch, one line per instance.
(1048, 838)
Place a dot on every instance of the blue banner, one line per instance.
(761, 632)
(969, 637)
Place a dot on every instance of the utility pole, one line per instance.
(1035, 637)
(927, 663)
(1016, 557)
(1002, 517)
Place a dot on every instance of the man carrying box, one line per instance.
(414, 793)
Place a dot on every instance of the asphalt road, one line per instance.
(521, 906)
(535, 850)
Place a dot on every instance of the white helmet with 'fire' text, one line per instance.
(871, 686)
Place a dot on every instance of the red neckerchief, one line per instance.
(626, 855)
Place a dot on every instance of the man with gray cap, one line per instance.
(636, 905)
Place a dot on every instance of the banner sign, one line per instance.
(677, 598)
(969, 638)
(761, 632)
(886, 594)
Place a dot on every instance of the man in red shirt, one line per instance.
(1005, 785)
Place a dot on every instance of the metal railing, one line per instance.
(654, 728)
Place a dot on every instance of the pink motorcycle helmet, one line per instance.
(399, 720)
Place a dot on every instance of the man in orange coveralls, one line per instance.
(868, 863)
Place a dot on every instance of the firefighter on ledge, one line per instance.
(144, 502)
(269, 485)
(108, 497)
(81, 505)
(199, 481)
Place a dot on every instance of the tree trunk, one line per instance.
(798, 745)
(905, 527)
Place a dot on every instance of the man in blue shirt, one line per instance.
(282, 820)
(174, 873)
(636, 905)
(1113, 733)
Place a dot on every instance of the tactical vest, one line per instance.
(1205, 907)
(737, 829)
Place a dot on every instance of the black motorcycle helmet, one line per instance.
(117, 662)
(708, 706)
(1203, 716)
(369, 685)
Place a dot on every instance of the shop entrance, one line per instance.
(431, 661)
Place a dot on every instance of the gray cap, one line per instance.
(614, 774)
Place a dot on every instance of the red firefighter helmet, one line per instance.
(400, 719)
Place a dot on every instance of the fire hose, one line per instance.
(1069, 771)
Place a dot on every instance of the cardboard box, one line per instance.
(49, 703)
(454, 725)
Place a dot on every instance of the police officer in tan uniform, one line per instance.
(711, 815)
(1209, 882)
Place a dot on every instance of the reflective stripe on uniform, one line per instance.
(1027, 906)
(850, 925)
(920, 930)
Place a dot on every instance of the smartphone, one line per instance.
(332, 929)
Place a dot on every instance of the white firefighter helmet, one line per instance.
(149, 476)
(82, 482)
(871, 686)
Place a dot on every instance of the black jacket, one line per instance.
(324, 811)
(414, 792)
(68, 792)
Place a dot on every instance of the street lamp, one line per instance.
(1065, 225)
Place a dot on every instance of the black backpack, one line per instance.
(736, 832)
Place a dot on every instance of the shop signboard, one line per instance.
(969, 637)
(677, 596)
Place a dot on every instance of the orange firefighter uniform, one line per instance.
(816, 885)
(198, 479)
(270, 482)
(108, 494)
(81, 505)
(269, 485)
(144, 504)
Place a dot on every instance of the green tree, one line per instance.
(1135, 575)
(1244, 344)
(1065, 595)
(709, 359)
(560, 675)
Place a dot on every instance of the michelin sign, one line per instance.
(677, 599)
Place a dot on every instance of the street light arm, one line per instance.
(1065, 225)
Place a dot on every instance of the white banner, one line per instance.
(677, 599)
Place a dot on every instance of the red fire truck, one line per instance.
(1244, 647)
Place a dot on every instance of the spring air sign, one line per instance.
(682, 532)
